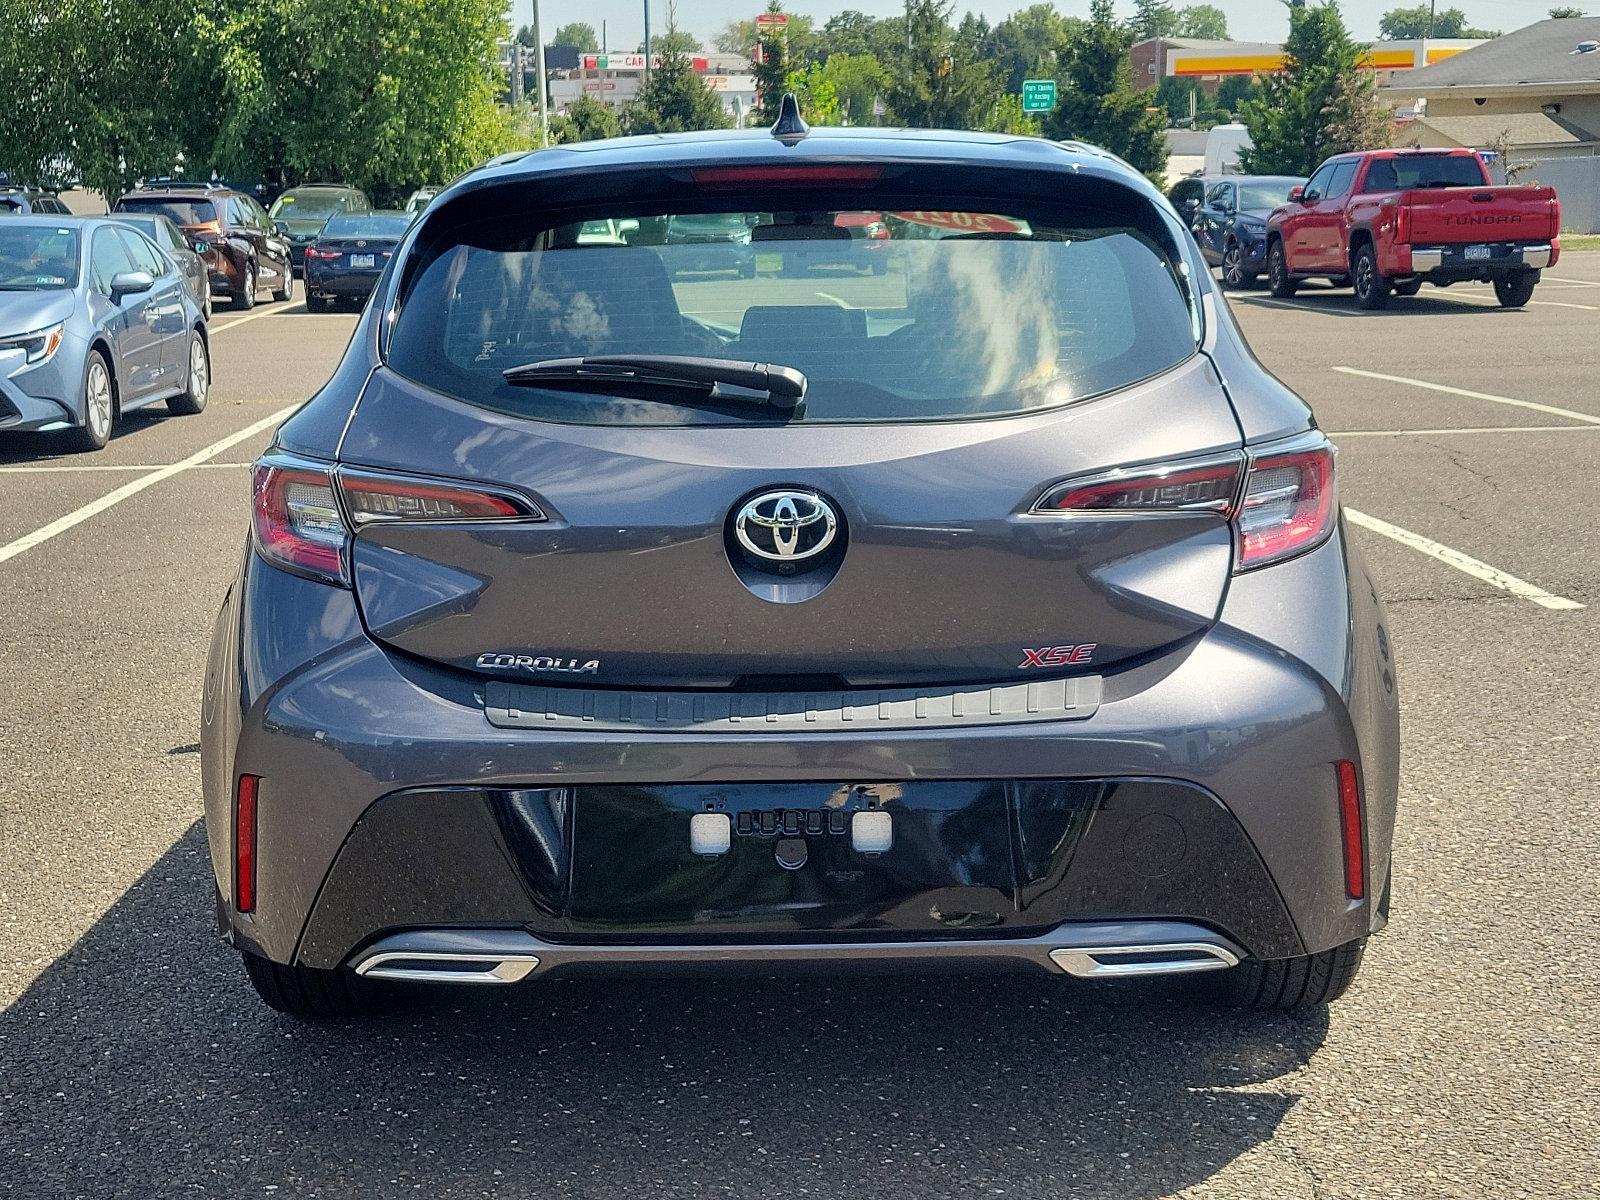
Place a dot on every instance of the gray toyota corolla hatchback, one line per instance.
(608, 611)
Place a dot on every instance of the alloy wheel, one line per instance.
(199, 371)
(98, 397)
(1232, 273)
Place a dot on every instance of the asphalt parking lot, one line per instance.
(134, 1061)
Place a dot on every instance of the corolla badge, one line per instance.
(786, 526)
(537, 662)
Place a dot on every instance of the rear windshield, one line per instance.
(37, 258)
(1424, 171)
(367, 225)
(308, 206)
(902, 315)
(179, 212)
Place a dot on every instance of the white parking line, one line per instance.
(55, 469)
(134, 486)
(1357, 433)
(256, 316)
(1464, 563)
(1587, 418)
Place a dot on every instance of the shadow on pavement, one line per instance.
(139, 1064)
(51, 448)
(1342, 303)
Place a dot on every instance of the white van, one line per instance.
(1223, 144)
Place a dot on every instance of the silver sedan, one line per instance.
(95, 321)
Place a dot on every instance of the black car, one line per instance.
(174, 245)
(1231, 223)
(301, 212)
(244, 254)
(344, 263)
(721, 242)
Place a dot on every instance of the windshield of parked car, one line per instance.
(952, 315)
(367, 225)
(179, 212)
(37, 258)
(1266, 194)
(1424, 171)
(308, 206)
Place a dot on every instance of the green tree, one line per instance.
(939, 81)
(380, 95)
(1235, 90)
(1007, 117)
(817, 94)
(739, 37)
(770, 66)
(857, 34)
(1153, 19)
(578, 33)
(858, 80)
(1203, 21)
(675, 100)
(674, 41)
(1563, 10)
(1098, 104)
(1032, 43)
(1400, 24)
(1321, 103)
(585, 120)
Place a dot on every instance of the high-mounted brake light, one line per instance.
(1289, 505)
(818, 175)
(304, 513)
(244, 843)
(1355, 860)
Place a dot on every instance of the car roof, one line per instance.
(984, 151)
(302, 189)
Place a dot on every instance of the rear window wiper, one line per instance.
(720, 381)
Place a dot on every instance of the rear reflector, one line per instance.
(1355, 865)
(1289, 505)
(244, 844)
(800, 175)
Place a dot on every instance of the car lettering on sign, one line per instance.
(537, 662)
(1057, 656)
(1490, 219)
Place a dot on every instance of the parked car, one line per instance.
(344, 263)
(169, 238)
(17, 199)
(1189, 193)
(95, 322)
(594, 623)
(420, 199)
(301, 212)
(872, 231)
(1389, 221)
(719, 241)
(244, 254)
(1231, 223)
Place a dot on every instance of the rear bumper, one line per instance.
(1202, 787)
(351, 285)
(1451, 261)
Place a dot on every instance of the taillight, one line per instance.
(1355, 860)
(1289, 505)
(1281, 500)
(1402, 224)
(244, 843)
(1211, 486)
(304, 512)
(318, 252)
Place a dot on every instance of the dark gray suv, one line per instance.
(995, 610)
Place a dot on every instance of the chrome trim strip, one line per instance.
(1090, 962)
(1537, 257)
(1086, 949)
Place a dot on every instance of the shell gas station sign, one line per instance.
(1249, 59)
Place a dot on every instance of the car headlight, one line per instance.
(40, 346)
(1251, 232)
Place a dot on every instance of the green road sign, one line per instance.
(1038, 95)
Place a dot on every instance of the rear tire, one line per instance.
(245, 297)
(1286, 984)
(1515, 290)
(286, 292)
(192, 400)
(1372, 289)
(1279, 281)
(309, 993)
(317, 304)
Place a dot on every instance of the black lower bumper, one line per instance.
(597, 865)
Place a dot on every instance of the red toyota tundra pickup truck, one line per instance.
(1388, 221)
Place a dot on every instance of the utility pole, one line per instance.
(544, 91)
(647, 41)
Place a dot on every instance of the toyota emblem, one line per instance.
(786, 526)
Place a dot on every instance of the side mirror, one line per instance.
(130, 283)
(1297, 192)
(200, 247)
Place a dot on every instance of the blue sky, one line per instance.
(1263, 20)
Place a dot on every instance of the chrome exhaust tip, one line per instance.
(413, 966)
(1169, 958)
